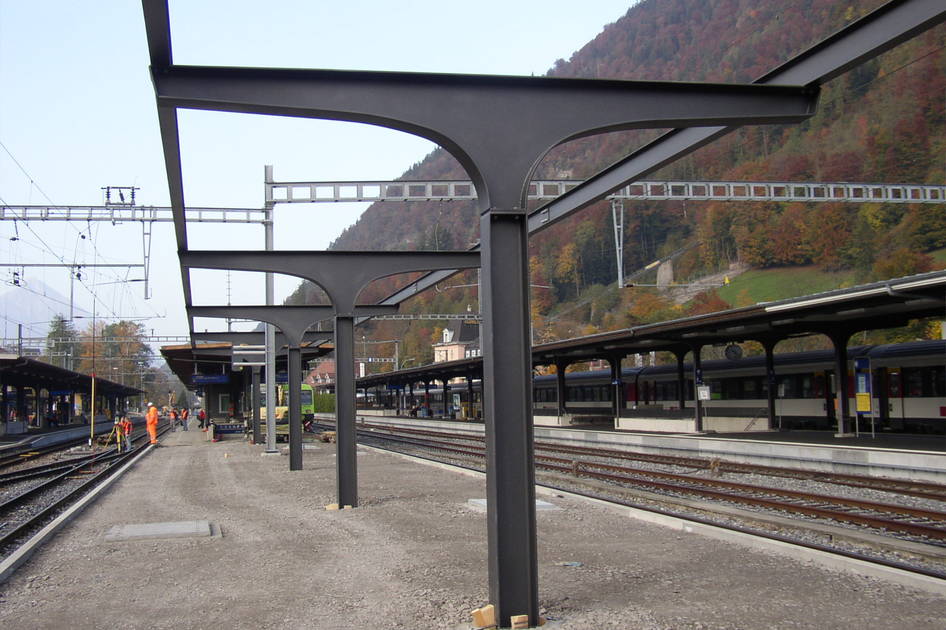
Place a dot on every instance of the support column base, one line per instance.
(844, 435)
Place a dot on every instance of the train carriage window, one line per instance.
(750, 388)
(817, 386)
(660, 391)
(937, 380)
(716, 389)
(671, 391)
(912, 382)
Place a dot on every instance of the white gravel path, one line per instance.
(412, 556)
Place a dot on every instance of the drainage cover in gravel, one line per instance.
(178, 529)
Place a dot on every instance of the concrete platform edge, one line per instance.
(13, 562)
(821, 558)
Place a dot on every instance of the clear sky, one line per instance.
(77, 113)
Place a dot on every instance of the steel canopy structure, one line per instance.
(498, 128)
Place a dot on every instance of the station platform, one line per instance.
(198, 534)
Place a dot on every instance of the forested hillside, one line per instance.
(883, 122)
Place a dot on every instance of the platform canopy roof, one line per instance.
(878, 305)
(25, 372)
(888, 304)
(217, 358)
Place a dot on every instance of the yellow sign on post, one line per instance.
(863, 402)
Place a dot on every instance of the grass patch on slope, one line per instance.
(770, 285)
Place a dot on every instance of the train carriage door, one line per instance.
(826, 382)
(881, 395)
(895, 398)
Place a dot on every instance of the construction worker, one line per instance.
(151, 422)
(126, 432)
(185, 415)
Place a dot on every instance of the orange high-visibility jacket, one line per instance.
(126, 426)
(152, 416)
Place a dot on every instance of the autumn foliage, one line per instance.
(883, 121)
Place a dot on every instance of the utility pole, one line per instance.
(270, 330)
(617, 214)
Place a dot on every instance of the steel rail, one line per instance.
(920, 489)
(8, 537)
(27, 452)
(782, 538)
(727, 491)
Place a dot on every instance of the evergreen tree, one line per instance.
(61, 343)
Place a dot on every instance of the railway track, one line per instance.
(28, 453)
(31, 497)
(716, 466)
(896, 527)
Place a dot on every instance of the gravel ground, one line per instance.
(413, 556)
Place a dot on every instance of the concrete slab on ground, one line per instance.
(177, 529)
(540, 505)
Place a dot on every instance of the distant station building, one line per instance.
(460, 340)
(322, 375)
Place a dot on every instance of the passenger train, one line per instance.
(908, 385)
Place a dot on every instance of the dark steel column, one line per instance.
(839, 339)
(254, 401)
(426, 397)
(471, 414)
(681, 379)
(560, 367)
(5, 404)
(293, 373)
(345, 461)
(21, 404)
(769, 345)
(446, 394)
(697, 381)
(614, 361)
(507, 400)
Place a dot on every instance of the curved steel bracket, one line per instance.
(341, 274)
